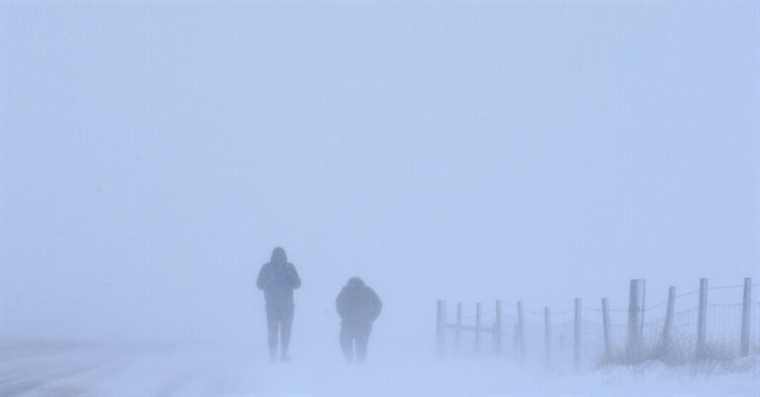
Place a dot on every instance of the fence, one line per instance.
(682, 328)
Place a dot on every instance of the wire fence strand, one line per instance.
(606, 334)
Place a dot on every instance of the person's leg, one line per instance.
(286, 326)
(272, 325)
(347, 343)
(362, 340)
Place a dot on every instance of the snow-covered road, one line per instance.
(98, 371)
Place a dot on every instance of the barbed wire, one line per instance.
(535, 313)
(657, 305)
(487, 321)
(591, 322)
(687, 293)
(720, 287)
(722, 321)
(725, 305)
(609, 309)
(654, 322)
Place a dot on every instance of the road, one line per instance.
(86, 370)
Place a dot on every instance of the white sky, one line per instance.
(151, 157)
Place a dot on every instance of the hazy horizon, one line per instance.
(151, 158)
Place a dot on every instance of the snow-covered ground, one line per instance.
(103, 371)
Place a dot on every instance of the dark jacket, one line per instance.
(278, 278)
(358, 304)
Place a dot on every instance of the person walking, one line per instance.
(278, 279)
(358, 306)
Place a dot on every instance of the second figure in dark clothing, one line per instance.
(278, 278)
(358, 306)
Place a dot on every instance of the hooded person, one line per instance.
(358, 306)
(278, 279)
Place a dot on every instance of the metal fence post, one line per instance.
(577, 334)
(548, 335)
(520, 331)
(458, 329)
(702, 319)
(477, 327)
(746, 316)
(440, 328)
(667, 329)
(606, 329)
(634, 331)
(497, 329)
(643, 307)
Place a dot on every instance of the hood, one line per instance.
(279, 256)
(355, 282)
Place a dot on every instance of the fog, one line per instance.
(152, 155)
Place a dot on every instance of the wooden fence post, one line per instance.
(520, 331)
(702, 318)
(477, 327)
(548, 335)
(606, 328)
(746, 316)
(440, 328)
(633, 347)
(458, 329)
(667, 329)
(577, 334)
(497, 329)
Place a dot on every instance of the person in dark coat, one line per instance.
(278, 278)
(358, 306)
